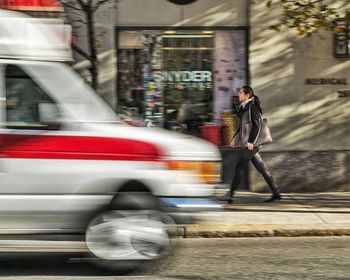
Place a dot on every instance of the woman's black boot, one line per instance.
(230, 199)
(275, 196)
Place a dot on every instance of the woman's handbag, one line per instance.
(264, 136)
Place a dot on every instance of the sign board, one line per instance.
(326, 81)
(193, 79)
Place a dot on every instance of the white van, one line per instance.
(73, 177)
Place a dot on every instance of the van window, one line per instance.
(75, 98)
(27, 105)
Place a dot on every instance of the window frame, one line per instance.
(244, 29)
(26, 125)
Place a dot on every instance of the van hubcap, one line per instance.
(128, 235)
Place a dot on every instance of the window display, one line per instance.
(180, 79)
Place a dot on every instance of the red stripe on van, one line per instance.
(76, 147)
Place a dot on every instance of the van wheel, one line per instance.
(134, 231)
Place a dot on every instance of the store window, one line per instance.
(180, 79)
(342, 40)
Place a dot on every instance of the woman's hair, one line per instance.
(249, 91)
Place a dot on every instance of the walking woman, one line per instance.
(250, 113)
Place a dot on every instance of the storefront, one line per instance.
(180, 78)
(180, 61)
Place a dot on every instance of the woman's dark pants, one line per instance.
(244, 157)
(261, 167)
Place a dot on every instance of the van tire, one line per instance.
(131, 215)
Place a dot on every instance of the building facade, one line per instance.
(179, 66)
(299, 80)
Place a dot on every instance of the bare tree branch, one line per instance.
(71, 6)
(77, 21)
(100, 3)
(81, 52)
(75, 13)
(77, 26)
(82, 4)
(81, 12)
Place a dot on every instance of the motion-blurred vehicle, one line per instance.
(73, 177)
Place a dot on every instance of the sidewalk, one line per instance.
(297, 214)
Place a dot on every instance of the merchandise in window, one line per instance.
(180, 79)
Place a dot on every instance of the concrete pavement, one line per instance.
(297, 214)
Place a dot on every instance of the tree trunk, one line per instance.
(92, 46)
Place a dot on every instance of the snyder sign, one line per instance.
(184, 78)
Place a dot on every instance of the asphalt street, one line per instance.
(226, 258)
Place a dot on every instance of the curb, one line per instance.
(217, 231)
